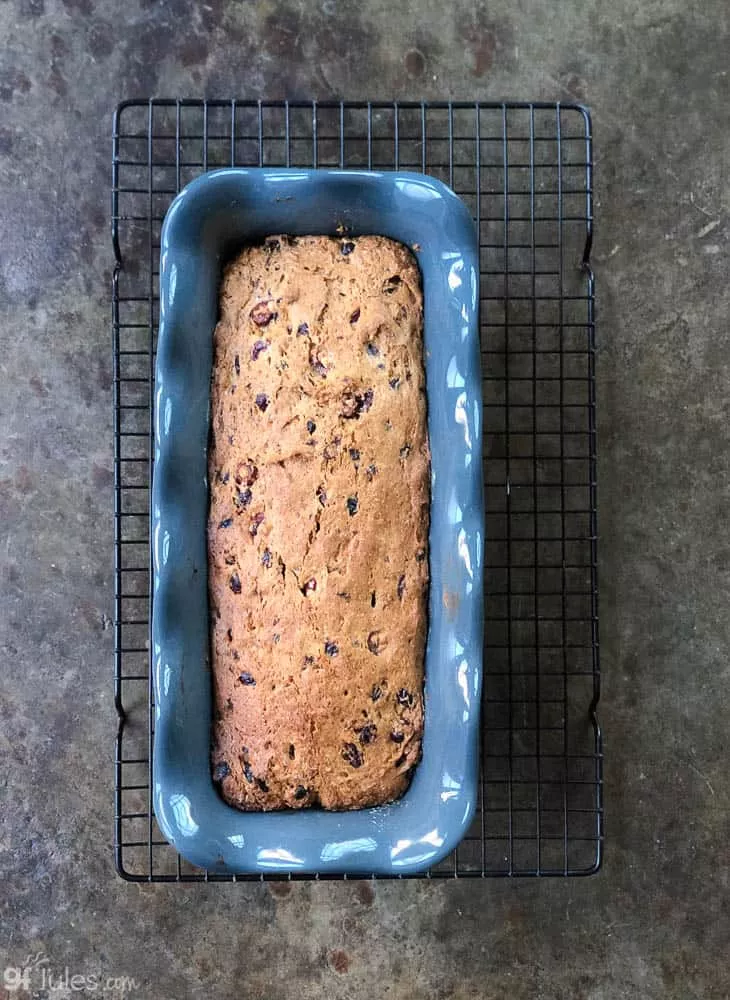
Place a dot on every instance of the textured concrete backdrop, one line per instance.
(656, 922)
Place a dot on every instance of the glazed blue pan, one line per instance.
(206, 224)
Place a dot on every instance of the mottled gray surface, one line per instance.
(655, 923)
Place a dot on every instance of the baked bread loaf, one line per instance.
(318, 527)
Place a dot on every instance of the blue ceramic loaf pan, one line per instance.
(208, 221)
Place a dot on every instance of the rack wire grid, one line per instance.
(525, 171)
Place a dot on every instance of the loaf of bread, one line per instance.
(318, 528)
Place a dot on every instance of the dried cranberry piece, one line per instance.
(351, 754)
(242, 499)
(221, 771)
(368, 734)
(404, 697)
(262, 314)
(374, 642)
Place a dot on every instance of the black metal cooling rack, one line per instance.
(525, 171)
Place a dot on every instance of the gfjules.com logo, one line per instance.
(37, 974)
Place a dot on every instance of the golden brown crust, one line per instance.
(318, 526)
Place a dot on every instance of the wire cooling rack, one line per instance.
(525, 171)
